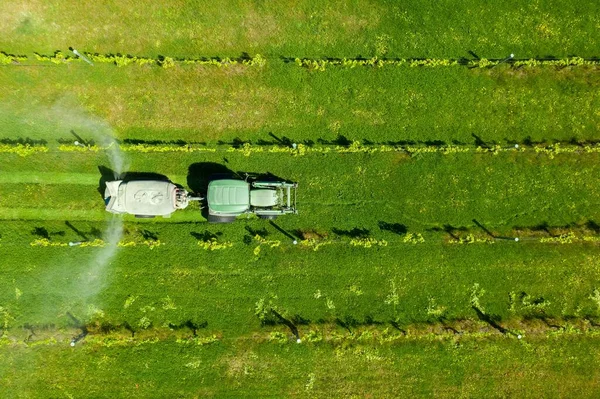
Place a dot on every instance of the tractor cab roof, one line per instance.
(229, 196)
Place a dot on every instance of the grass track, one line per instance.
(468, 368)
(209, 104)
(355, 190)
(404, 283)
(305, 28)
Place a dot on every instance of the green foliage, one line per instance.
(214, 245)
(476, 293)
(57, 58)
(368, 242)
(413, 238)
(7, 59)
(381, 141)
(22, 150)
(472, 239)
(321, 64)
(121, 60)
(278, 337)
(167, 62)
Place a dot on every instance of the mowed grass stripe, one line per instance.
(197, 104)
(249, 369)
(38, 177)
(306, 28)
(358, 190)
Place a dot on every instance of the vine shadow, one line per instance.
(356, 232)
(206, 235)
(252, 232)
(395, 228)
(23, 141)
(191, 325)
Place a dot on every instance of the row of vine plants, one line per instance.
(121, 60)
(248, 149)
(316, 242)
(318, 64)
(321, 64)
(325, 334)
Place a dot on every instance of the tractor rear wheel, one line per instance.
(220, 219)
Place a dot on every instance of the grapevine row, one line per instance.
(321, 64)
(102, 333)
(121, 60)
(315, 243)
(317, 64)
(248, 149)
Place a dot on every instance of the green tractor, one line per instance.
(229, 198)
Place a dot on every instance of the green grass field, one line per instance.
(407, 280)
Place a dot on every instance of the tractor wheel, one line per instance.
(268, 217)
(220, 219)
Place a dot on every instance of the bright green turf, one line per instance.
(305, 28)
(207, 104)
(502, 368)
(407, 284)
(353, 191)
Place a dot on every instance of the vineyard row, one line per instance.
(318, 64)
(528, 321)
(315, 241)
(247, 149)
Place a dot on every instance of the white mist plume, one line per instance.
(71, 120)
(94, 276)
(68, 116)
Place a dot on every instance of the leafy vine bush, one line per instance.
(7, 59)
(316, 241)
(471, 239)
(321, 64)
(567, 238)
(213, 245)
(367, 242)
(200, 341)
(167, 62)
(22, 150)
(248, 149)
(564, 62)
(146, 148)
(121, 60)
(315, 244)
(413, 238)
(57, 58)
(278, 337)
(44, 242)
(134, 243)
(76, 148)
(263, 241)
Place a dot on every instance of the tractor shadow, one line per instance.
(201, 173)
